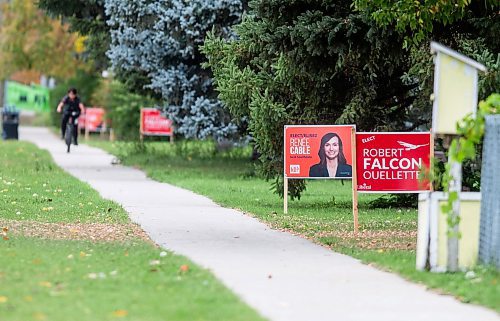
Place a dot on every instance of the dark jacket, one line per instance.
(71, 105)
(318, 170)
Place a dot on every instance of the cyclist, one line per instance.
(71, 103)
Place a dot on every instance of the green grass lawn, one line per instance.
(32, 187)
(75, 280)
(324, 214)
(47, 279)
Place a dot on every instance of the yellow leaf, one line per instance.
(80, 44)
(45, 284)
(120, 313)
(28, 298)
(3, 299)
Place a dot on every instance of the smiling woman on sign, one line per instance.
(332, 160)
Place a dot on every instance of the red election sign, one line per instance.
(392, 162)
(319, 151)
(93, 119)
(154, 124)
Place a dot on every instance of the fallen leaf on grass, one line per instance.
(120, 313)
(184, 268)
(3, 299)
(39, 316)
(45, 284)
(154, 262)
(108, 232)
(4, 233)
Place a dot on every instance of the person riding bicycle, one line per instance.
(71, 104)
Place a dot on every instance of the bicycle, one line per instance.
(70, 128)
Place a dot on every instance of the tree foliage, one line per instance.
(86, 17)
(419, 19)
(154, 47)
(122, 107)
(327, 62)
(309, 62)
(29, 40)
(470, 27)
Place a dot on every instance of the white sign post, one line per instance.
(455, 97)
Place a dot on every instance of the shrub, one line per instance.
(122, 108)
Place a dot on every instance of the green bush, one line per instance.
(122, 108)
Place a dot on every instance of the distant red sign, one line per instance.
(154, 124)
(93, 119)
(391, 162)
(319, 151)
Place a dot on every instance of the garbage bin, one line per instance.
(10, 123)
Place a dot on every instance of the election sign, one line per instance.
(392, 162)
(154, 124)
(319, 151)
(93, 119)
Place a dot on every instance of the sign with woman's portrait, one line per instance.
(319, 151)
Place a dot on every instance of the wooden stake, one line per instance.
(354, 182)
(172, 136)
(111, 135)
(87, 133)
(141, 129)
(431, 166)
(285, 194)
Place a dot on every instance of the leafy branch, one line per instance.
(471, 132)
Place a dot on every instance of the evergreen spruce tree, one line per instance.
(330, 62)
(155, 47)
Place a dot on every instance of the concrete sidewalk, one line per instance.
(284, 277)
